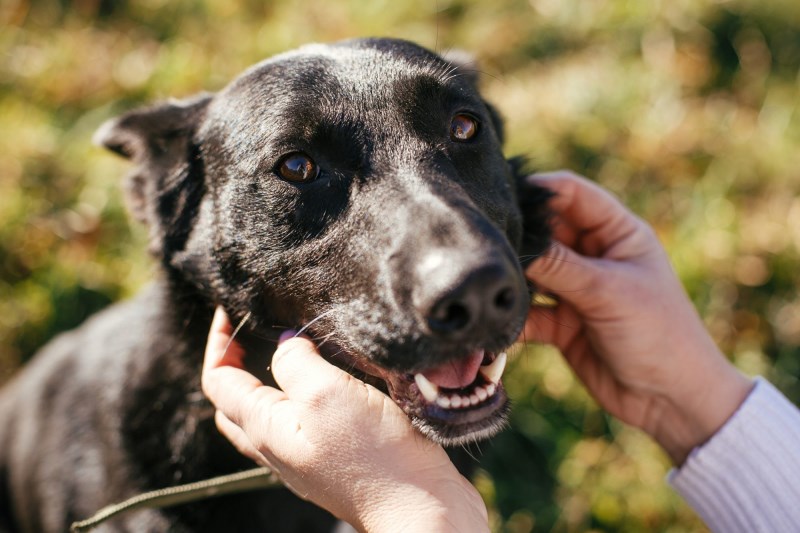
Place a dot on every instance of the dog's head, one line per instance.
(358, 190)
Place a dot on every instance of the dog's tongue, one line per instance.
(458, 373)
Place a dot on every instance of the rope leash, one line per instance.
(257, 478)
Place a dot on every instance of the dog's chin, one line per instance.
(450, 416)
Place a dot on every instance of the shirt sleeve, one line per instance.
(747, 477)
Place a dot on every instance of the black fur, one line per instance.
(114, 408)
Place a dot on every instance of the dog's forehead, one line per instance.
(363, 74)
(364, 70)
(367, 86)
(359, 66)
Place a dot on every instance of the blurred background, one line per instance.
(688, 110)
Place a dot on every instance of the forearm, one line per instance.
(747, 477)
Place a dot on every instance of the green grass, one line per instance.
(686, 109)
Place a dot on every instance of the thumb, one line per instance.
(301, 371)
(564, 273)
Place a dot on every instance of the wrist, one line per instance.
(691, 415)
(452, 505)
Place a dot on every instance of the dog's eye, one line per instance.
(298, 167)
(463, 127)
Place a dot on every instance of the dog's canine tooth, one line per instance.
(428, 390)
(494, 370)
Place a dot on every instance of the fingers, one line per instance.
(241, 397)
(220, 348)
(557, 326)
(223, 375)
(239, 439)
(586, 209)
(301, 371)
(255, 417)
(572, 279)
(564, 273)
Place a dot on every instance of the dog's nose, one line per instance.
(461, 301)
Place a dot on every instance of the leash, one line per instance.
(247, 480)
(256, 478)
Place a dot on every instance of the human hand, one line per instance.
(624, 322)
(336, 441)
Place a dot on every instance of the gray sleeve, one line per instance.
(747, 477)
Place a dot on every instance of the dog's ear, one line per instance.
(166, 182)
(466, 66)
(536, 215)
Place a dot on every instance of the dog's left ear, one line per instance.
(165, 186)
(533, 201)
(466, 66)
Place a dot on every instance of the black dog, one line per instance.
(357, 189)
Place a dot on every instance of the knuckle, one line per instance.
(323, 394)
(553, 261)
(319, 396)
(254, 410)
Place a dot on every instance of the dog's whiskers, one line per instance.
(529, 257)
(236, 331)
(466, 449)
(325, 338)
(311, 323)
(350, 367)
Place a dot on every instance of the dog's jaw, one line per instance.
(449, 416)
(457, 416)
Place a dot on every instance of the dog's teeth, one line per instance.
(481, 393)
(493, 371)
(429, 390)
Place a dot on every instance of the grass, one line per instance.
(687, 110)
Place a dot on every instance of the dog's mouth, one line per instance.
(466, 384)
(456, 402)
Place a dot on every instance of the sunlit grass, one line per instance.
(687, 110)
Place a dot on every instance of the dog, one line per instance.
(357, 190)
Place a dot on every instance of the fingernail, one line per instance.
(286, 335)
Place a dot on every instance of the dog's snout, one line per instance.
(456, 302)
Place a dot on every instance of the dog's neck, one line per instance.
(185, 307)
(188, 310)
